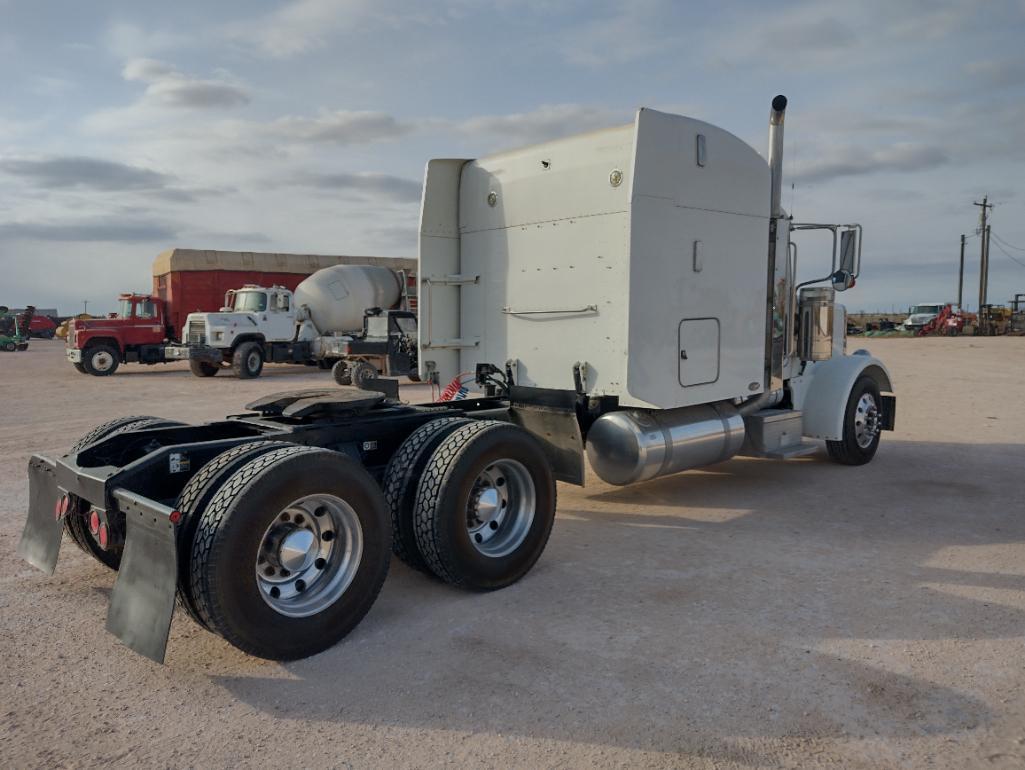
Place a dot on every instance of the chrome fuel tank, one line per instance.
(637, 445)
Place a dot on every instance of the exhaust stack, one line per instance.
(776, 115)
(775, 300)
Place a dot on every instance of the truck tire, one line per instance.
(247, 361)
(203, 368)
(79, 367)
(101, 360)
(194, 498)
(414, 376)
(76, 523)
(361, 373)
(401, 478)
(311, 526)
(485, 505)
(861, 425)
(340, 371)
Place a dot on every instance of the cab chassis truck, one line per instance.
(628, 294)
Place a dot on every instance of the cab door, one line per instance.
(147, 327)
(280, 317)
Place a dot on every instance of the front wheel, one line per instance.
(361, 373)
(203, 368)
(290, 553)
(247, 360)
(862, 425)
(485, 505)
(101, 360)
(79, 367)
(340, 372)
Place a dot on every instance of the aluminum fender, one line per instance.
(821, 392)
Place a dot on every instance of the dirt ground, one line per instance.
(754, 614)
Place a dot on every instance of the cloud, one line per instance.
(128, 40)
(365, 184)
(858, 161)
(340, 127)
(544, 123)
(299, 27)
(168, 87)
(997, 74)
(67, 172)
(107, 230)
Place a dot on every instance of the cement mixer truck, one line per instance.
(353, 319)
(627, 298)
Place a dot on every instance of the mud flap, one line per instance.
(142, 603)
(41, 538)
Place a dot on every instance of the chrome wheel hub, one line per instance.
(102, 361)
(253, 362)
(501, 508)
(309, 555)
(866, 421)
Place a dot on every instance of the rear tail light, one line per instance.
(94, 522)
(60, 509)
(103, 536)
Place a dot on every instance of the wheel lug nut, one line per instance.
(269, 572)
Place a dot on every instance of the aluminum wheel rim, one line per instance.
(866, 421)
(253, 361)
(501, 508)
(102, 361)
(309, 555)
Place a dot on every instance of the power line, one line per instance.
(1009, 245)
(1006, 254)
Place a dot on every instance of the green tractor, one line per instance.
(14, 329)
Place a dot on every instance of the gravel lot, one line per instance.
(755, 614)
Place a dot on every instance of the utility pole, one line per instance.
(983, 250)
(85, 307)
(960, 275)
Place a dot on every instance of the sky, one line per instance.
(127, 128)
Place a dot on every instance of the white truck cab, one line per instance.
(920, 315)
(250, 312)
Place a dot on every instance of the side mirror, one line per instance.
(842, 280)
(848, 252)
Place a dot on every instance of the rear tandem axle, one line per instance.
(275, 528)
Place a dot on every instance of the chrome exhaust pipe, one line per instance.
(775, 306)
(776, 115)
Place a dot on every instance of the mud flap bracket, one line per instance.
(142, 603)
(41, 538)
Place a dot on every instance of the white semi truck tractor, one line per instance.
(352, 318)
(627, 296)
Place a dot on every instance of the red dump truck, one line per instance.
(186, 281)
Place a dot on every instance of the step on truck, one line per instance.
(628, 295)
(354, 319)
